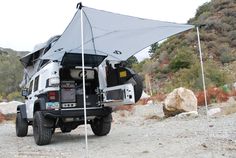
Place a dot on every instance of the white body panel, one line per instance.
(48, 71)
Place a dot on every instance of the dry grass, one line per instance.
(214, 94)
(123, 107)
(2, 117)
(8, 117)
(227, 110)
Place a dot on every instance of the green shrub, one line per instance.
(131, 61)
(216, 76)
(232, 35)
(191, 78)
(15, 96)
(1, 98)
(203, 17)
(184, 58)
(165, 69)
(220, 4)
(226, 57)
(226, 53)
(191, 37)
(203, 8)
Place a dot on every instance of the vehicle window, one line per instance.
(36, 83)
(43, 63)
(30, 87)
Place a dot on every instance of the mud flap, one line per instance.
(22, 110)
(49, 123)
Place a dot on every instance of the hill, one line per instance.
(175, 62)
(11, 72)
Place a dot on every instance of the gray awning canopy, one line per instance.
(114, 35)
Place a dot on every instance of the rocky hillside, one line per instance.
(175, 62)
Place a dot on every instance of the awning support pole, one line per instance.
(84, 92)
(204, 84)
(202, 70)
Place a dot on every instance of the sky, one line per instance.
(25, 23)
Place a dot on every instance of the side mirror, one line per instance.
(24, 92)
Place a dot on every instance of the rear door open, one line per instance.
(119, 95)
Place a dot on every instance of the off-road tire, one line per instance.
(101, 126)
(21, 126)
(42, 134)
(138, 87)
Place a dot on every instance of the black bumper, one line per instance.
(99, 112)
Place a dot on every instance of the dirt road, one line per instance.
(133, 136)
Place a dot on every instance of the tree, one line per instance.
(131, 61)
(153, 49)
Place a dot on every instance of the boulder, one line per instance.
(9, 107)
(178, 101)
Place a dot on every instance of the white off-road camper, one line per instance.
(75, 78)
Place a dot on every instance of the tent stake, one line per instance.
(84, 92)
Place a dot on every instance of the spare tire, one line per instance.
(137, 82)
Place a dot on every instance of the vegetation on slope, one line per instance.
(175, 62)
(11, 72)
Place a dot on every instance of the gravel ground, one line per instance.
(133, 136)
